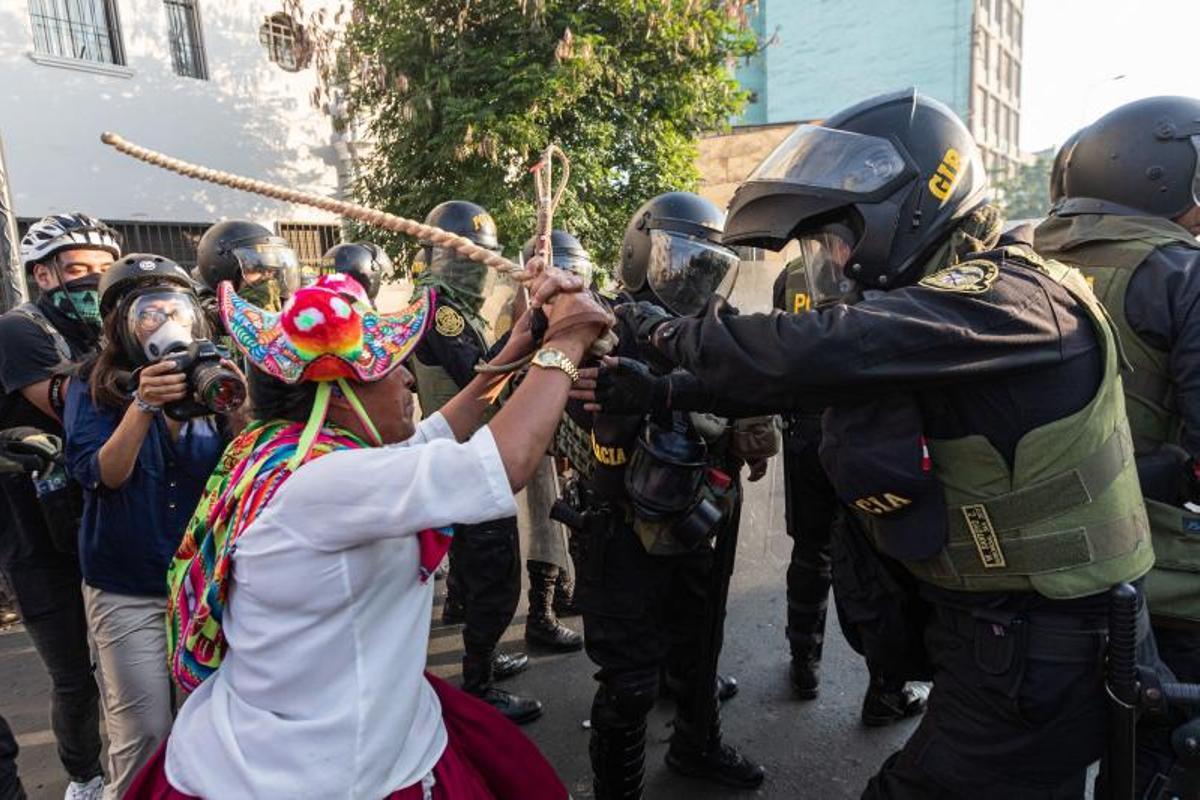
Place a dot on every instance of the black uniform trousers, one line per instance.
(10, 784)
(486, 571)
(51, 604)
(1017, 710)
(811, 510)
(640, 613)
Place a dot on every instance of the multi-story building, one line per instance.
(225, 83)
(823, 55)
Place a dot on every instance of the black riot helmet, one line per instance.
(367, 263)
(672, 245)
(262, 266)
(568, 253)
(1143, 157)
(1058, 170)
(449, 266)
(884, 182)
(156, 304)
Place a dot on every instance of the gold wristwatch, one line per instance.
(552, 358)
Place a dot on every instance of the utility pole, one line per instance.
(13, 290)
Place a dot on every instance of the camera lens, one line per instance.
(218, 388)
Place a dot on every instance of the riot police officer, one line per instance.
(262, 266)
(485, 572)
(812, 518)
(551, 588)
(1128, 219)
(654, 504)
(975, 425)
(366, 262)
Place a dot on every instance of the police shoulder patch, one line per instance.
(969, 277)
(449, 322)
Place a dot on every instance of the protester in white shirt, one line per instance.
(300, 605)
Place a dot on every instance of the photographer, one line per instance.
(142, 459)
(64, 256)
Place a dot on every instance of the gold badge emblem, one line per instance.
(449, 322)
(970, 277)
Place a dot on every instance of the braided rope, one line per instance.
(370, 216)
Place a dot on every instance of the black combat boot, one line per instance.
(477, 681)
(618, 761)
(505, 665)
(891, 701)
(708, 758)
(564, 595)
(806, 678)
(542, 628)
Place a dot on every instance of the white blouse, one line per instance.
(321, 693)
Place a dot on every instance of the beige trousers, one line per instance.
(130, 637)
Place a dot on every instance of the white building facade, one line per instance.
(224, 83)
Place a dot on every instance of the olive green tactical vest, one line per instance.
(1067, 519)
(435, 386)
(1108, 250)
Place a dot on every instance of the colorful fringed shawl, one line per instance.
(253, 467)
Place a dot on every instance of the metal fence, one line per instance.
(310, 241)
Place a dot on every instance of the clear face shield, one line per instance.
(461, 274)
(685, 271)
(270, 273)
(824, 255)
(165, 321)
(824, 158)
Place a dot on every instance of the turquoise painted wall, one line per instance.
(829, 54)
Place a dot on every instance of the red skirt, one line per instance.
(486, 758)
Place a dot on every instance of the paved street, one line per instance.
(812, 750)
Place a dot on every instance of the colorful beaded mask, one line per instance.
(325, 332)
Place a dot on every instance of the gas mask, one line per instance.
(163, 321)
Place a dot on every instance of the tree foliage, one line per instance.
(459, 97)
(1025, 194)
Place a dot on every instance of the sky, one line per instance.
(1076, 51)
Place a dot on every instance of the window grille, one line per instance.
(286, 43)
(310, 241)
(87, 30)
(187, 46)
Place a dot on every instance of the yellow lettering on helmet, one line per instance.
(941, 183)
(801, 303)
(480, 220)
(879, 506)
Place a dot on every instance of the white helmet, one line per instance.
(57, 232)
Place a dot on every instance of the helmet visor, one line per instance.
(459, 273)
(1196, 176)
(824, 158)
(684, 271)
(162, 321)
(269, 263)
(824, 255)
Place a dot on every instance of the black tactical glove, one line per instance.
(29, 449)
(643, 318)
(629, 387)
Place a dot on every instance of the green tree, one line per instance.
(460, 97)
(1025, 194)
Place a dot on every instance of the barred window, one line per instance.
(310, 240)
(87, 30)
(187, 46)
(286, 43)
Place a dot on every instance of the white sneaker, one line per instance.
(92, 790)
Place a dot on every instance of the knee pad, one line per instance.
(627, 698)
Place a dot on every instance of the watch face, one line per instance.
(547, 357)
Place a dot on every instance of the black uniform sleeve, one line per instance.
(1162, 305)
(910, 338)
(458, 355)
(27, 353)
